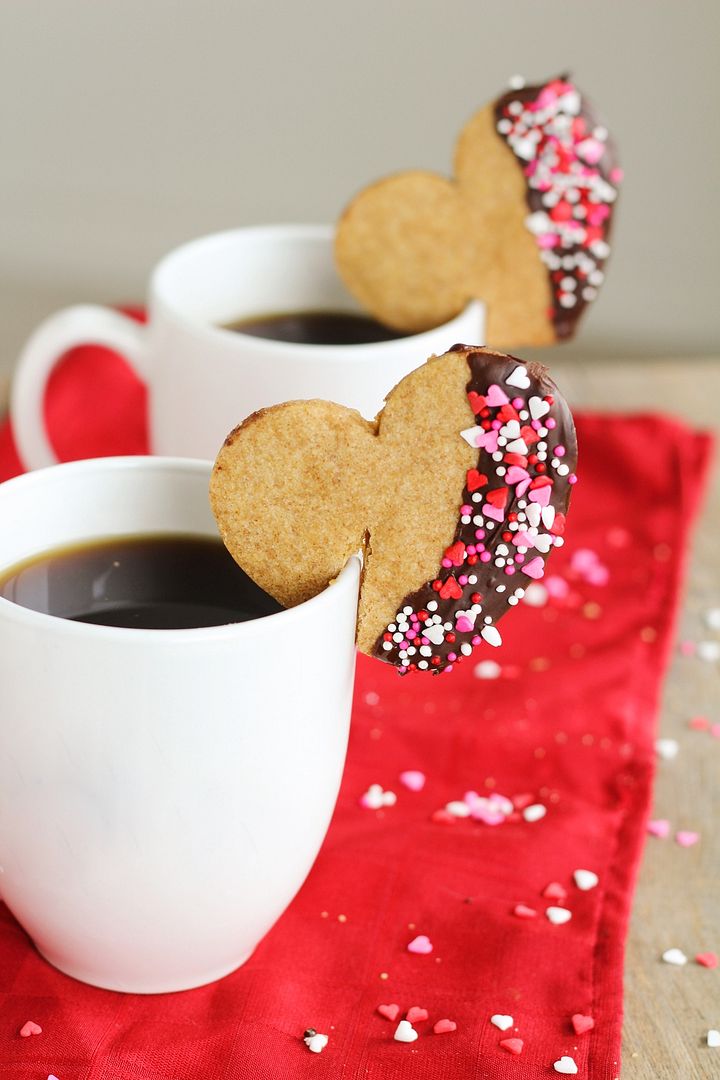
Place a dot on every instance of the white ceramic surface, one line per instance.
(163, 794)
(204, 379)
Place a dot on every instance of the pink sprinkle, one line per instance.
(485, 557)
(557, 587)
(444, 1027)
(421, 945)
(518, 403)
(550, 423)
(476, 639)
(707, 959)
(465, 509)
(535, 568)
(413, 779)
(547, 240)
(660, 827)
(522, 911)
(616, 175)
(572, 478)
(446, 563)
(685, 838)
(462, 579)
(597, 575)
(687, 648)
(30, 1028)
(715, 731)
(463, 625)
(699, 723)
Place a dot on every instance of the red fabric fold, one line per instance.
(566, 722)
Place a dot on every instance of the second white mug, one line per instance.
(204, 378)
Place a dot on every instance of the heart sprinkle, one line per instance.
(572, 178)
(555, 891)
(413, 779)
(30, 1028)
(585, 879)
(390, 1012)
(660, 827)
(685, 838)
(502, 1022)
(674, 956)
(513, 1046)
(524, 912)
(526, 456)
(582, 1023)
(565, 1065)
(421, 945)
(405, 1032)
(558, 915)
(444, 1027)
(415, 1014)
(707, 959)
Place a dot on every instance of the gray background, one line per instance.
(129, 126)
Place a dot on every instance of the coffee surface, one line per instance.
(156, 582)
(316, 328)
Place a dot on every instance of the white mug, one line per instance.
(203, 378)
(163, 793)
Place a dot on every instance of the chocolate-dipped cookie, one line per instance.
(456, 494)
(524, 225)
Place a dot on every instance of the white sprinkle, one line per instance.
(534, 812)
(465, 649)
(405, 1032)
(536, 595)
(667, 749)
(558, 916)
(491, 635)
(501, 1021)
(431, 605)
(458, 808)
(565, 1065)
(712, 618)
(516, 82)
(674, 956)
(585, 879)
(713, 1037)
(487, 669)
(708, 651)
(316, 1043)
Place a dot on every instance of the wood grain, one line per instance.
(668, 1010)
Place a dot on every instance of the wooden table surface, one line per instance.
(668, 1010)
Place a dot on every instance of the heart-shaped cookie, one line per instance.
(455, 493)
(524, 225)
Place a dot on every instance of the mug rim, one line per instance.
(42, 621)
(329, 353)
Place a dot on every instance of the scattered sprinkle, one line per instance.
(375, 798)
(699, 723)
(444, 1027)
(315, 1041)
(709, 651)
(585, 879)
(513, 1046)
(667, 749)
(415, 1014)
(687, 648)
(686, 838)
(659, 827)
(487, 669)
(421, 945)
(565, 1065)
(674, 956)
(534, 812)
(555, 891)
(413, 779)
(713, 1037)
(502, 1021)
(712, 618)
(30, 1028)
(582, 1023)
(558, 915)
(390, 1012)
(524, 912)
(405, 1032)
(707, 959)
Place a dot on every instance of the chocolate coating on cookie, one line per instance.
(571, 172)
(511, 516)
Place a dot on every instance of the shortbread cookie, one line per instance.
(524, 226)
(456, 494)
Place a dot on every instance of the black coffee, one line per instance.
(316, 328)
(158, 582)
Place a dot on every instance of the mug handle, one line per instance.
(84, 324)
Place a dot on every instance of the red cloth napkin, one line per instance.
(562, 717)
